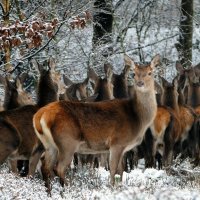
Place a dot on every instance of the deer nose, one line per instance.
(140, 83)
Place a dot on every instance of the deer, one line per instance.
(183, 116)
(153, 146)
(192, 73)
(21, 129)
(193, 100)
(75, 91)
(103, 87)
(103, 90)
(65, 127)
(15, 95)
(112, 86)
(189, 93)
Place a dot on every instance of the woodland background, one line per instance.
(86, 33)
(79, 34)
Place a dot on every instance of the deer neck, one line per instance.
(194, 97)
(146, 104)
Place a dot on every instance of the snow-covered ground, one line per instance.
(181, 182)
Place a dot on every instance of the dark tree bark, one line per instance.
(103, 20)
(186, 32)
(5, 6)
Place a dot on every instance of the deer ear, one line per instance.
(92, 74)
(155, 61)
(52, 63)
(179, 67)
(78, 95)
(175, 83)
(107, 67)
(109, 74)
(18, 84)
(164, 82)
(129, 62)
(126, 70)
(67, 81)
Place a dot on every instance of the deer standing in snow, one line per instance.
(116, 126)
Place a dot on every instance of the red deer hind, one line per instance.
(116, 126)
(17, 138)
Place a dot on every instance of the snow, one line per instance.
(180, 182)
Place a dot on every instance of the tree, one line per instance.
(103, 21)
(184, 46)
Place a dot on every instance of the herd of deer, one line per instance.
(147, 120)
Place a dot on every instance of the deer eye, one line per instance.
(149, 73)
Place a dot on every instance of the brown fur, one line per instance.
(103, 87)
(162, 126)
(117, 125)
(184, 116)
(21, 121)
(197, 110)
(75, 91)
(15, 95)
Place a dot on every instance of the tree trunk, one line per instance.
(103, 20)
(7, 50)
(186, 32)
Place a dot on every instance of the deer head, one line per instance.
(75, 91)
(15, 95)
(102, 87)
(143, 74)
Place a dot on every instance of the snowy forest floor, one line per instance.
(181, 182)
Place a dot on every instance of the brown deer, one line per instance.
(192, 73)
(15, 96)
(120, 83)
(103, 87)
(115, 126)
(183, 116)
(75, 91)
(153, 146)
(162, 131)
(193, 100)
(21, 128)
(103, 90)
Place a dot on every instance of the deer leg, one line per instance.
(13, 166)
(121, 167)
(34, 159)
(50, 159)
(168, 155)
(67, 148)
(115, 158)
(64, 161)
